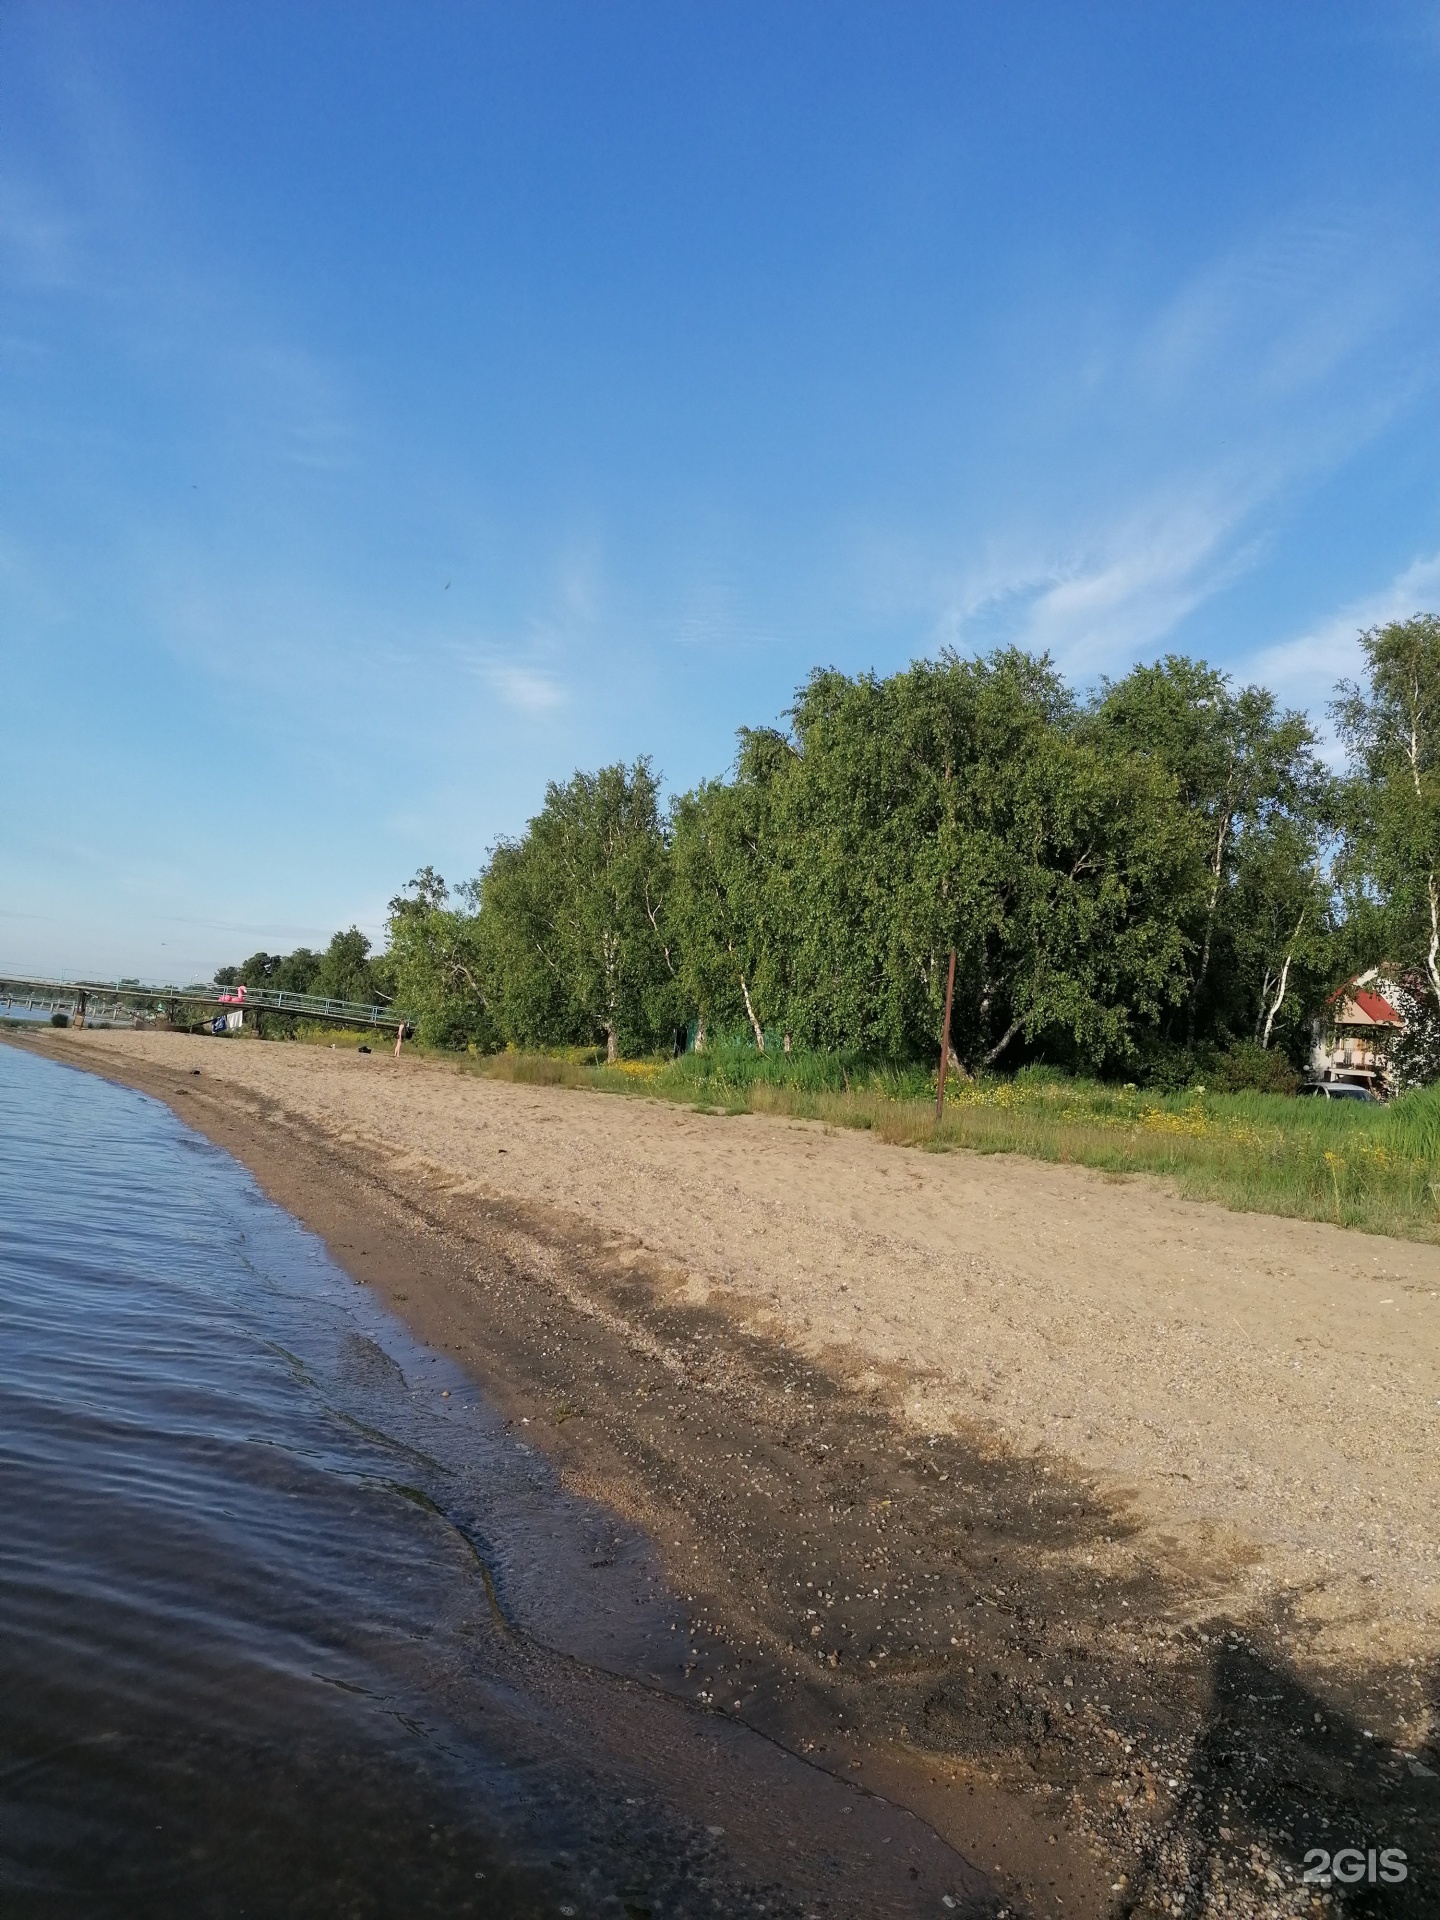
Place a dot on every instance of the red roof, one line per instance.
(1378, 1010)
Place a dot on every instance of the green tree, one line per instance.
(345, 971)
(947, 805)
(1391, 726)
(1085, 940)
(573, 916)
(437, 964)
(1281, 924)
(296, 972)
(291, 972)
(890, 831)
(723, 845)
(1237, 761)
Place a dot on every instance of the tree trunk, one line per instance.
(1279, 1000)
(700, 1032)
(1265, 985)
(1000, 1045)
(754, 1023)
(610, 948)
(1217, 871)
(945, 1047)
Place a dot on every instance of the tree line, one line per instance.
(1163, 872)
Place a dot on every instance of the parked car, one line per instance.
(1338, 1090)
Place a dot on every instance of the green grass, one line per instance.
(1374, 1168)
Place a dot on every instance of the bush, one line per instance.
(1247, 1067)
(1166, 1067)
(59, 1019)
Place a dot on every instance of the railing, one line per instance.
(312, 1006)
(92, 997)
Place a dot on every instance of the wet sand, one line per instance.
(1097, 1527)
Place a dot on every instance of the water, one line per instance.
(232, 1614)
(248, 1628)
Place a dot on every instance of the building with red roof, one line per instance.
(1354, 1035)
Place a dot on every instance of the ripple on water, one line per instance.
(245, 1657)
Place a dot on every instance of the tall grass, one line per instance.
(1370, 1167)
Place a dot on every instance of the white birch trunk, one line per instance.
(1278, 1001)
(754, 1023)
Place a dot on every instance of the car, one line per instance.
(1337, 1090)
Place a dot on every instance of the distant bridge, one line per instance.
(111, 999)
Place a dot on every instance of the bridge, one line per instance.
(86, 1000)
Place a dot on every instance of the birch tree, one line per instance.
(1390, 724)
(1281, 924)
(574, 917)
(437, 962)
(1238, 761)
(723, 898)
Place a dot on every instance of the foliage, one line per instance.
(573, 919)
(1279, 928)
(437, 964)
(1247, 1067)
(1415, 1054)
(1391, 727)
(345, 971)
(286, 972)
(951, 804)
(1167, 1066)
(1255, 795)
(724, 841)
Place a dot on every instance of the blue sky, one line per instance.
(403, 405)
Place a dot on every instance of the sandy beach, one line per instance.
(1022, 1487)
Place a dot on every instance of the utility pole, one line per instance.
(945, 1040)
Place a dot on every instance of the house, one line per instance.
(1354, 1036)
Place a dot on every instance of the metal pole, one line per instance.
(945, 1040)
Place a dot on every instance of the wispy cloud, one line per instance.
(525, 669)
(1263, 371)
(305, 415)
(1303, 671)
(1121, 588)
(1279, 314)
(1135, 586)
(527, 689)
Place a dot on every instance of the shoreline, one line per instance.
(990, 1635)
